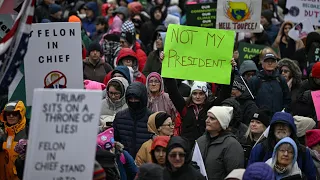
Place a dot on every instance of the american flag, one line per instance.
(14, 45)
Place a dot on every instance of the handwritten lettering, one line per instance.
(184, 36)
(215, 38)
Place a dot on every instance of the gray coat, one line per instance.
(221, 155)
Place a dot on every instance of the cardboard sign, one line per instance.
(239, 15)
(248, 51)
(63, 131)
(301, 10)
(316, 102)
(196, 53)
(54, 58)
(301, 30)
(201, 15)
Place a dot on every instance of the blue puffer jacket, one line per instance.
(89, 23)
(270, 91)
(130, 127)
(263, 151)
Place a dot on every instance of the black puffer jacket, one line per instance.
(130, 126)
(248, 106)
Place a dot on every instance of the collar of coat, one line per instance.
(11, 130)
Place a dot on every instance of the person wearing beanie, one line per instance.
(303, 124)
(98, 172)
(150, 171)
(284, 160)
(158, 150)
(101, 28)
(216, 140)
(258, 171)
(313, 142)
(42, 10)
(94, 68)
(281, 126)
(269, 28)
(55, 13)
(248, 69)
(235, 174)
(158, 100)
(159, 124)
(88, 22)
(178, 161)
(93, 85)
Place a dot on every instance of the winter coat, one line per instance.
(187, 171)
(141, 55)
(95, 72)
(124, 70)
(126, 165)
(220, 155)
(153, 63)
(248, 106)
(111, 108)
(272, 32)
(130, 127)
(85, 39)
(89, 23)
(246, 66)
(263, 150)
(11, 137)
(42, 12)
(316, 161)
(270, 91)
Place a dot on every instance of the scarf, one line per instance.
(280, 169)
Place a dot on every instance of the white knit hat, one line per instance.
(303, 124)
(223, 114)
(198, 85)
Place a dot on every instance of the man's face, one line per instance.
(57, 15)
(269, 64)
(89, 13)
(281, 131)
(95, 55)
(235, 92)
(157, 15)
(263, 21)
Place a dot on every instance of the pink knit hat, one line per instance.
(312, 137)
(93, 85)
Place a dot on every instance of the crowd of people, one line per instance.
(261, 126)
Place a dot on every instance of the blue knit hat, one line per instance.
(54, 8)
(258, 171)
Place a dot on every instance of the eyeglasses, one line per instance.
(174, 155)
(13, 113)
(285, 150)
(154, 82)
(169, 124)
(114, 93)
(285, 71)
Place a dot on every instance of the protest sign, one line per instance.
(239, 15)
(6, 22)
(300, 10)
(248, 51)
(63, 132)
(54, 58)
(301, 30)
(7, 6)
(201, 15)
(196, 53)
(316, 102)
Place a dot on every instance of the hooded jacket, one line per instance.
(111, 108)
(124, 70)
(247, 105)
(246, 66)
(187, 171)
(89, 23)
(95, 72)
(122, 10)
(263, 151)
(130, 126)
(221, 155)
(12, 135)
(295, 170)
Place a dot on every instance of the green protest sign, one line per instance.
(248, 51)
(201, 15)
(196, 53)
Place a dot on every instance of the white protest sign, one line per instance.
(301, 30)
(54, 58)
(300, 10)
(239, 15)
(63, 132)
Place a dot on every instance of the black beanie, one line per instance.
(238, 84)
(268, 14)
(160, 118)
(128, 36)
(94, 46)
(262, 115)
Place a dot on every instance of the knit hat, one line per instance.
(258, 171)
(238, 84)
(236, 174)
(149, 171)
(54, 8)
(268, 14)
(128, 26)
(98, 172)
(74, 18)
(94, 46)
(128, 36)
(312, 137)
(93, 85)
(160, 118)
(303, 124)
(316, 70)
(198, 85)
(160, 141)
(262, 116)
(223, 114)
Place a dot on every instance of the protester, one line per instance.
(91, 14)
(94, 68)
(106, 11)
(101, 28)
(178, 157)
(303, 124)
(159, 124)
(270, 29)
(110, 43)
(313, 142)
(119, 71)
(130, 125)
(150, 171)
(248, 69)
(258, 171)
(158, 150)
(42, 10)
(219, 143)
(107, 160)
(55, 13)
(122, 12)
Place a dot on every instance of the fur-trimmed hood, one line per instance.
(294, 68)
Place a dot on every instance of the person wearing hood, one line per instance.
(91, 14)
(122, 12)
(158, 150)
(269, 87)
(313, 81)
(178, 158)
(271, 30)
(284, 43)
(101, 28)
(258, 171)
(284, 160)
(130, 125)
(220, 150)
(313, 142)
(154, 62)
(158, 100)
(248, 69)
(119, 71)
(281, 126)
(150, 171)
(42, 10)
(107, 12)
(13, 117)
(149, 27)
(94, 68)
(55, 13)
(159, 124)
(290, 70)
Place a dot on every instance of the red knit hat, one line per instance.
(316, 70)
(312, 137)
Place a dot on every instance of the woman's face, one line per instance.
(127, 62)
(166, 129)
(160, 155)
(114, 94)
(212, 123)
(286, 73)
(110, 11)
(198, 97)
(157, 15)
(13, 117)
(256, 127)
(285, 155)
(117, 75)
(286, 29)
(159, 44)
(176, 157)
(154, 85)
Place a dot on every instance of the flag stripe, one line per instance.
(29, 20)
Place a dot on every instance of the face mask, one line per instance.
(134, 105)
